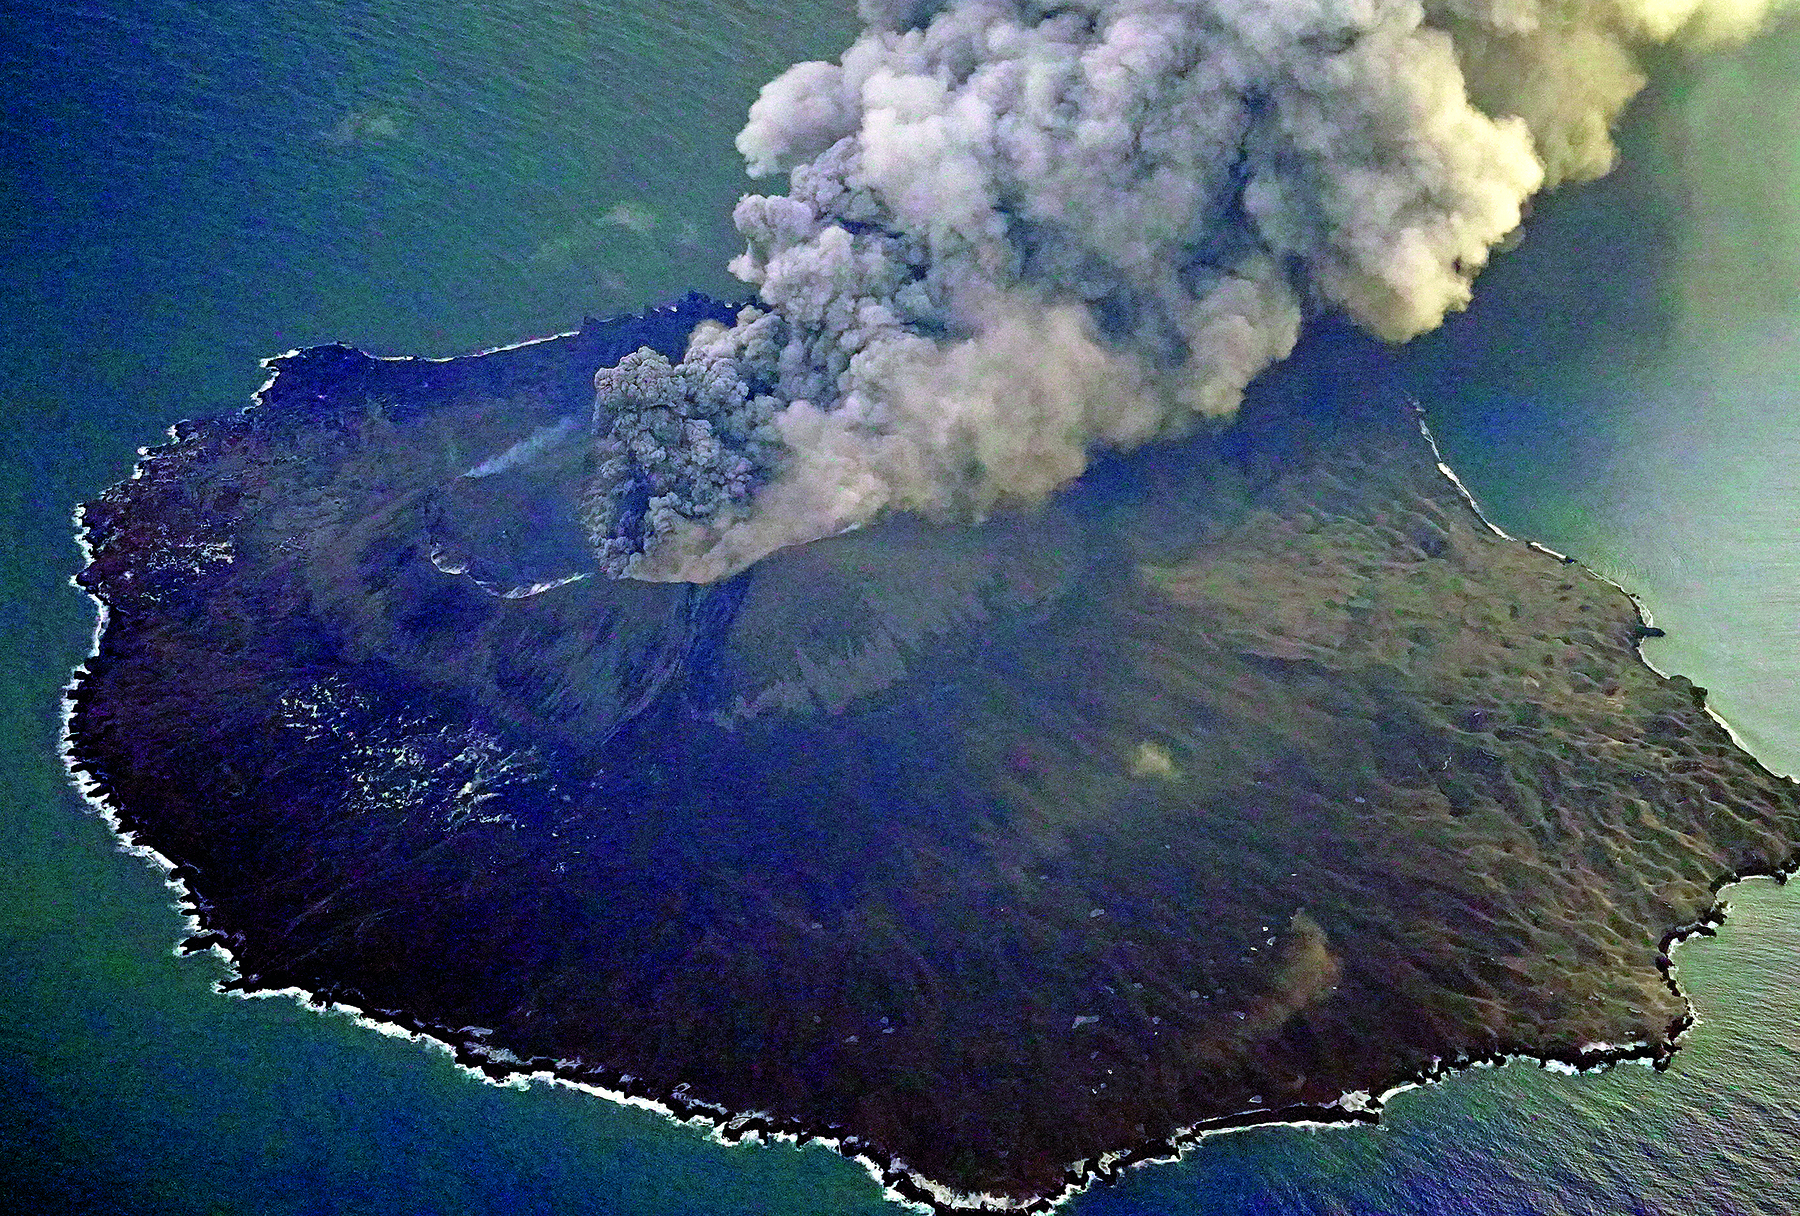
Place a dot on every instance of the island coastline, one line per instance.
(898, 1179)
(899, 1183)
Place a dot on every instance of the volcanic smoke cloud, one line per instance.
(1016, 231)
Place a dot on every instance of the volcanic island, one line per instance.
(1251, 776)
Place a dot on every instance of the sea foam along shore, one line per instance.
(493, 1065)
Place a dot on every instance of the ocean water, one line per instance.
(189, 187)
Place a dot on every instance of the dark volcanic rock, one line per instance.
(1251, 772)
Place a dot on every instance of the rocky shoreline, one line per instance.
(898, 1181)
(1252, 772)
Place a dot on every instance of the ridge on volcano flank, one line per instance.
(1250, 772)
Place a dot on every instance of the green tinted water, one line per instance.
(187, 189)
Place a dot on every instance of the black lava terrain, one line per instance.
(1253, 771)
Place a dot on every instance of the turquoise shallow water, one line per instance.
(189, 190)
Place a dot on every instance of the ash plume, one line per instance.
(1017, 231)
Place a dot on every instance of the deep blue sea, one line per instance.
(188, 187)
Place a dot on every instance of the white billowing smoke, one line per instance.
(1019, 230)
